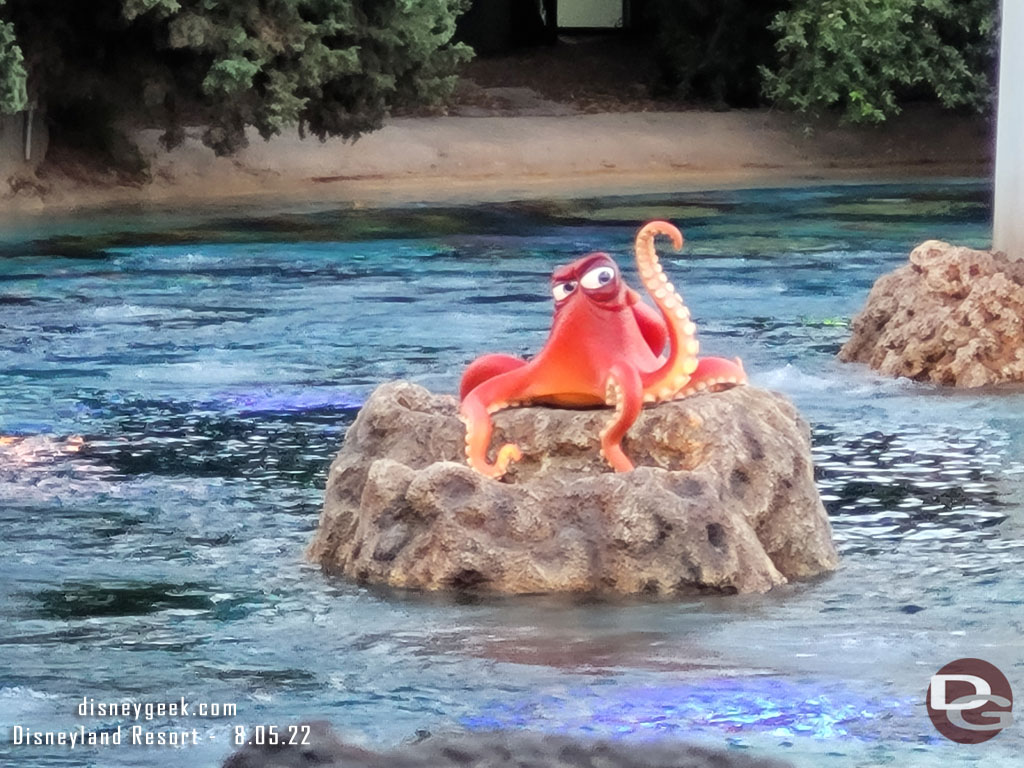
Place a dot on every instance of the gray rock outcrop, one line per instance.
(952, 316)
(723, 500)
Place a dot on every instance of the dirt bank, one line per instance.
(458, 158)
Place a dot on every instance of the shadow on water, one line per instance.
(882, 488)
(80, 601)
(177, 438)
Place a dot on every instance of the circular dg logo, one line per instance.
(970, 701)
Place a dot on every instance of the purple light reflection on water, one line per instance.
(765, 706)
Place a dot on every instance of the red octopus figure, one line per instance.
(605, 348)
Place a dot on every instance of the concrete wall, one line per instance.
(1008, 227)
(12, 143)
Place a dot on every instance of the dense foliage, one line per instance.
(865, 56)
(13, 96)
(334, 67)
(861, 57)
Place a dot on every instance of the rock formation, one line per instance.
(494, 750)
(952, 316)
(723, 500)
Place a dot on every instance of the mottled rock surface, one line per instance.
(491, 750)
(952, 316)
(722, 500)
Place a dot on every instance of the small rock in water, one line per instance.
(952, 316)
(722, 501)
(491, 750)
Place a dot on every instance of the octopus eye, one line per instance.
(561, 291)
(597, 278)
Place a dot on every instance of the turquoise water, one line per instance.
(212, 363)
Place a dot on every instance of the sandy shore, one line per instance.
(460, 159)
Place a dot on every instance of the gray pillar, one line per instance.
(1008, 227)
(30, 113)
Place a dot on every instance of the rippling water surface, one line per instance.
(211, 366)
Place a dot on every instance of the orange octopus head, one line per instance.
(594, 278)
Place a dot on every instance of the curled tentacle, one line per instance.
(673, 375)
(714, 374)
(475, 412)
(478, 439)
(625, 393)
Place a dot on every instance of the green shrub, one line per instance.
(332, 67)
(865, 57)
(13, 96)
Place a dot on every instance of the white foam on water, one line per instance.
(117, 311)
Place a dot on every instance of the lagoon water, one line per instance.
(212, 365)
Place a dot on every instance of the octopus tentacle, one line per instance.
(650, 322)
(714, 374)
(667, 380)
(624, 390)
(489, 397)
(484, 368)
